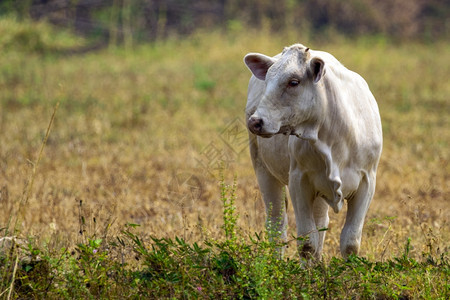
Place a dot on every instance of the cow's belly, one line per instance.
(275, 155)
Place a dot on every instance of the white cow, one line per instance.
(313, 125)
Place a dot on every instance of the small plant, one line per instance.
(92, 263)
(229, 210)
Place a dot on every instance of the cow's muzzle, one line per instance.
(255, 125)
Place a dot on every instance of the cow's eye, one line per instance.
(293, 83)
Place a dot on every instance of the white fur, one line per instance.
(325, 141)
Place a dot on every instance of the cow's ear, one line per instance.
(259, 64)
(317, 67)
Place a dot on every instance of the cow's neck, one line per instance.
(315, 121)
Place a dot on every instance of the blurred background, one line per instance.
(126, 21)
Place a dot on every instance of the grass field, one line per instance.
(139, 137)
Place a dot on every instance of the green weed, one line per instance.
(235, 267)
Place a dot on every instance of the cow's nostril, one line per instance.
(258, 124)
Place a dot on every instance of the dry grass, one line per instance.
(132, 125)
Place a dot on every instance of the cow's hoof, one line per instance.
(307, 251)
(350, 249)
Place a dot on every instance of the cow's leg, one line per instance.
(322, 220)
(356, 213)
(274, 196)
(302, 196)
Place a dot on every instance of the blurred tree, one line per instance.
(124, 21)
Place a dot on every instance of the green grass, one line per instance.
(130, 123)
(233, 267)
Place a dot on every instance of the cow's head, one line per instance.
(289, 97)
